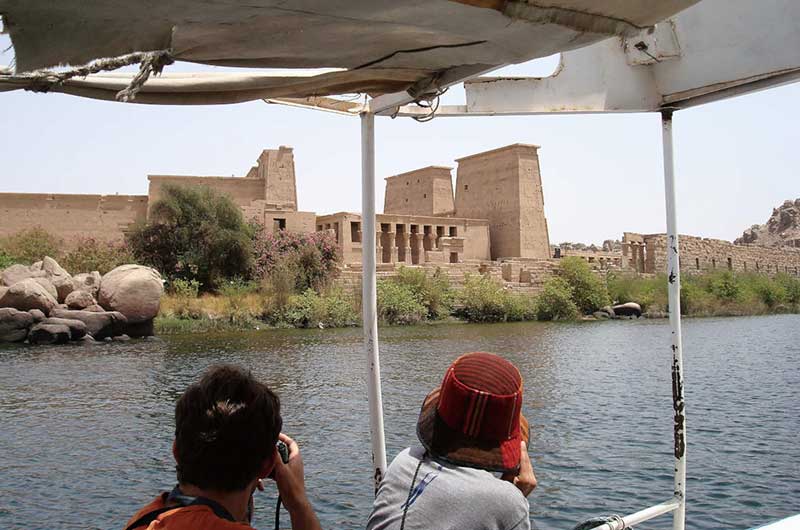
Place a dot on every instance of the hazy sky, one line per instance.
(602, 175)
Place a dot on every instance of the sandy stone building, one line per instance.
(267, 193)
(505, 186)
(496, 212)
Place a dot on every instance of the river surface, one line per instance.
(86, 431)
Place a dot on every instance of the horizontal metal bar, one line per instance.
(641, 516)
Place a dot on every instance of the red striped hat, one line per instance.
(474, 418)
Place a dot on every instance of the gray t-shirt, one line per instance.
(446, 497)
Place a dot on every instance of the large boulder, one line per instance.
(79, 300)
(98, 325)
(630, 309)
(48, 285)
(49, 334)
(77, 329)
(16, 273)
(61, 279)
(28, 294)
(87, 281)
(133, 290)
(14, 324)
(37, 315)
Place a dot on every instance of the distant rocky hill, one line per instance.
(781, 229)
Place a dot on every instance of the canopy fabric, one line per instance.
(382, 46)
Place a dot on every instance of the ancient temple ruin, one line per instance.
(496, 212)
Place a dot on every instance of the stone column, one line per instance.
(378, 248)
(392, 240)
(416, 249)
(404, 244)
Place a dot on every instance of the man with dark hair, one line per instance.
(472, 470)
(227, 426)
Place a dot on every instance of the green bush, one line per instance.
(433, 291)
(648, 292)
(555, 302)
(235, 293)
(483, 300)
(5, 260)
(309, 309)
(185, 304)
(88, 254)
(725, 286)
(791, 286)
(195, 234)
(520, 308)
(588, 290)
(770, 291)
(398, 304)
(29, 246)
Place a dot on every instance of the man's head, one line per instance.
(226, 427)
(474, 418)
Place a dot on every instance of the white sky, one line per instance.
(602, 175)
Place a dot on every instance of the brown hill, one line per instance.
(781, 229)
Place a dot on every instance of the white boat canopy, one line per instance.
(377, 46)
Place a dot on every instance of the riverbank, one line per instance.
(414, 298)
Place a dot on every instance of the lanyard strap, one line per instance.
(176, 497)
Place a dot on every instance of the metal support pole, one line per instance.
(369, 297)
(674, 279)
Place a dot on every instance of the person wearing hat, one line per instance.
(472, 469)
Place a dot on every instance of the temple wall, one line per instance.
(243, 191)
(504, 186)
(700, 255)
(411, 239)
(426, 191)
(104, 217)
(276, 169)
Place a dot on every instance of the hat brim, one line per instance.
(457, 448)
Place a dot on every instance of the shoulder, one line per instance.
(196, 518)
(184, 518)
(156, 504)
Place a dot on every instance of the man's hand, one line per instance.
(290, 479)
(525, 480)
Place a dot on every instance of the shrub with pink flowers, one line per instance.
(313, 258)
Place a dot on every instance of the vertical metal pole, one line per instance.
(369, 297)
(674, 279)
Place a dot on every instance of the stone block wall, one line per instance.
(425, 191)
(104, 217)
(699, 255)
(504, 186)
(243, 191)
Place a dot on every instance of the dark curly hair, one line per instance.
(226, 425)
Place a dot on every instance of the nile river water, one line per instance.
(86, 431)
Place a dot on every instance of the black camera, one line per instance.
(283, 450)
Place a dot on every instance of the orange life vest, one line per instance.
(194, 517)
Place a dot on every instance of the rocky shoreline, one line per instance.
(45, 304)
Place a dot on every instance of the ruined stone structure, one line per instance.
(426, 191)
(104, 217)
(411, 239)
(648, 254)
(505, 186)
(498, 211)
(267, 194)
